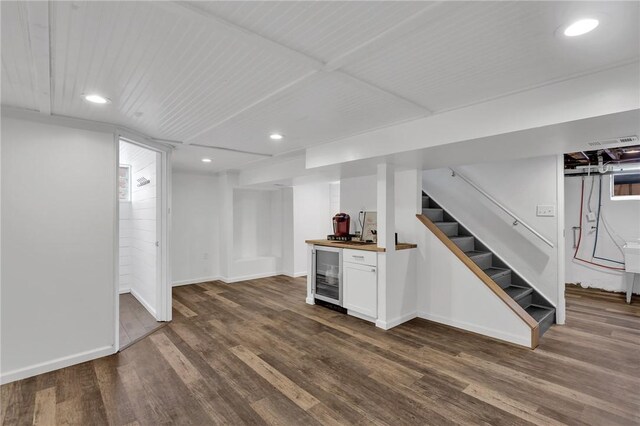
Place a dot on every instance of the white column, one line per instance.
(386, 237)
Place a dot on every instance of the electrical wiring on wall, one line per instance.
(595, 241)
(575, 254)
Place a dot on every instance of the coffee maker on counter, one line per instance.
(341, 225)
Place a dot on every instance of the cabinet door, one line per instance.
(361, 289)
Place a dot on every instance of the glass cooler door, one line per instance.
(328, 275)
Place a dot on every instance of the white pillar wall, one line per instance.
(386, 237)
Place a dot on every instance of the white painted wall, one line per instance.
(59, 201)
(138, 226)
(623, 219)
(195, 226)
(358, 194)
(313, 208)
(520, 186)
(256, 223)
(449, 293)
(126, 246)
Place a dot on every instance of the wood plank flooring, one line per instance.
(255, 353)
(135, 321)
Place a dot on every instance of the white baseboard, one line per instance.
(361, 316)
(386, 325)
(236, 279)
(45, 367)
(496, 334)
(196, 281)
(144, 303)
(249, 277)
(124, 290)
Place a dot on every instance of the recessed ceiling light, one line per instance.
(580, 27)
(96, 99)
(275, 136)
(206, 160)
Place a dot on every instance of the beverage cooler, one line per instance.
(327, 274)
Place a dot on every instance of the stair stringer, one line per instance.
(452, 294)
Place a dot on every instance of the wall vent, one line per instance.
(617, 141)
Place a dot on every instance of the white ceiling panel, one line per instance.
(475, 51)
(327, 107)
(229, 73)
(166, 74)
(18, 80)
(321, 29)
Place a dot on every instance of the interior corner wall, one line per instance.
(520, 185)
(358, 194)
(195, 228)
(59, 201)
(620, 222)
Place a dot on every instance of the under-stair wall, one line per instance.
(520, 186)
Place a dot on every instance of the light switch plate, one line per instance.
(545, 210)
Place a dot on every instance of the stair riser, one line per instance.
(449, 229)
(483, 261)
(503, 281)
(425, 202)
(546, 323)
(434, 215)
(465, 244)
(525, 301)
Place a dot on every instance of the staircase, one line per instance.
(513, 285)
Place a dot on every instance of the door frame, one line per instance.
(163, 233)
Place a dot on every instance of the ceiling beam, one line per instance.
(40, 48)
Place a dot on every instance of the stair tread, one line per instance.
(516, 292)
(460, 237)
(495, 272)
(441, 222)
(539, 313)
(474, 253)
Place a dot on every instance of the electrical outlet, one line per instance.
(545, 210)
(591, 217)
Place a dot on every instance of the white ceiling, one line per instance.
(229, 73)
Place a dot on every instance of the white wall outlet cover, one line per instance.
(591, 217)
(545, 210)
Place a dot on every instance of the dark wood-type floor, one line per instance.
(255, 353)
(135, 321)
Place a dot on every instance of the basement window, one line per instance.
(625, 186)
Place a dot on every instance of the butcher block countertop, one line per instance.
(358, 246)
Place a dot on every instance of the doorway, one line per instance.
(602, 201)
(144, 298)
